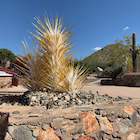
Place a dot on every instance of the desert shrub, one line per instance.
(51, 65)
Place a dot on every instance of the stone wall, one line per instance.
(113, 121)
(128, 79)
(5, 81)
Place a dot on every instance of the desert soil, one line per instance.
(133, 92)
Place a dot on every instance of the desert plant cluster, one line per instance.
(49, 65)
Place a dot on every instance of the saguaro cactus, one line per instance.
(134, 52)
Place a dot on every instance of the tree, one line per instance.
(5, 56)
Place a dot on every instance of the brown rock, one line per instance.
(105, 125)
(90, 123)
(131, 136)
(48, 134)
(129, 110)
(86, 138)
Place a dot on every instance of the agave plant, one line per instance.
(52, 63)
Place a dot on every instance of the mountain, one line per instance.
(113, 55)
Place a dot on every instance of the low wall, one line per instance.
(128, 79)
(116, 121)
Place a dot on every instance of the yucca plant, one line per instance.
(52, 63)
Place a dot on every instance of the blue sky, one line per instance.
(94, 23)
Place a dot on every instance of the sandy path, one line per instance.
(133, 92)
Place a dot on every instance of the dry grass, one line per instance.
(51, 66)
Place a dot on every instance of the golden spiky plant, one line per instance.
(56, 68)
(30, 68)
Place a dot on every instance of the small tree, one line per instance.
(5, 56)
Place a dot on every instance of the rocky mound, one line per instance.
(64, 100)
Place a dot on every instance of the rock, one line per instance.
(129, 110)
(138, 110)
(116, 135)
(67, 97)
(103, 113)
(105, 125)
(57, 123)
(4, 104)
(106, 137)
(90, 123)
(123, 125)
(112, 118)
(22, 133)
(11, 130)
(61, 133)
(97, 111)
(8, 137)
(86, 138)
(34, 101)
(45, 126)
(137, 137)
(78, 129)
(68, 126)
(48, 134)
(36, 132)
(134, 118)
(55, 98)
(131, 136)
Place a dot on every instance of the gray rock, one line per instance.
(11, 129)
(22, 133)
(123, 127)
(55, 99)
(134, 118)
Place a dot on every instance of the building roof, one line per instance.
(3, 73)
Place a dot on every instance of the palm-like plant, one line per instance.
(52, 63)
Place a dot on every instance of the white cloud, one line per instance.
(97, 48)
(126, 28)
